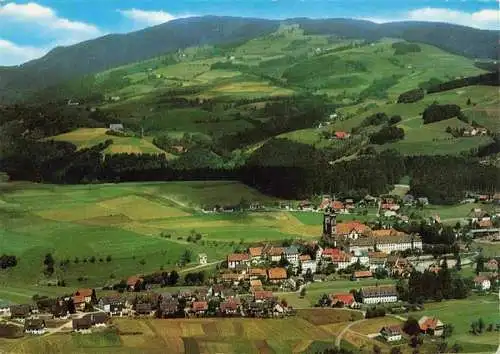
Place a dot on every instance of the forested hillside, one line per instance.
(64, 63)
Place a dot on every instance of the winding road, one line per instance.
(346, 328)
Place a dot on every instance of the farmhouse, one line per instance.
(255, 253)
(391, 333)
(276, 254)
(229, 307)
(112, 305)
(482, 282)
(261, 296)
(34, 326)
(276, 275)
(379, 294)
(492, 265)
(341, 135)
(199, 307)
(202, 258)
(143, 308)
(256, 273)
(344, 299)
(377, 260)
(116, 127)
(133, 281)
(237, 259)
(82, 325)
(431, 325)
(20, 311)
(362, 274)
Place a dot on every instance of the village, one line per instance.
(252, 282)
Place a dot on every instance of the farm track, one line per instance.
(344, 331)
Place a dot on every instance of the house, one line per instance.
(482, 282)
(262, 296)
(391, 333)
(98, 319)
(292, 255)
(82, 325)
(255, 253)
(112, 305)
(408, 199)
(4, 310)
(144, 309)
(399, 266)
(202, 258)
(379, 294)
(377, 260)
(276, 275)
(276, 253)
(199, 307)
(352, 230)
(116, 127)
(485, 224)
(79, 302)
(256, 285)
(237, 259)
(169, 307)
(82, 297)
(362, 274)
(309, 265)
(304, 258)
(216, 290)
(229, 307)
(349, 204)
(344, 299)
(492, 265)
(133, 281)
(257, 273)
(431, 325)
(337, 257)
(20, 312)
(423, 200)
(386, 244)
(34, 326)
(337, 206)
(306, 205)
(341, 135)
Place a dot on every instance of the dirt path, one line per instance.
(199, 266)
(344, 331)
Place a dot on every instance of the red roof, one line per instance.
(78, 299)
(238, 257)
(330, 252)
(260, 272)
(485, 223)
(337, 205)
(229, 305)
(363, 274)
(276, 251)
(346, 227)
(131, 281)
(428, 322)
(341, 135)
(263, 295)
(200, 306)
(84, 292)
(277, 273)
(345, 298)
(255, 251)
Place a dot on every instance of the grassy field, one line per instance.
(195, 336)
(460, 313)
(88, 137)
(85, 224)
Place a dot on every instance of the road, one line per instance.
(199, 266)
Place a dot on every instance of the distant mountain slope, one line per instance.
(118, 49)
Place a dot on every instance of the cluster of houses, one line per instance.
(483, 225)
(431, 326)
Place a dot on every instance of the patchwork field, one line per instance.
(88, 137)
(110, 231)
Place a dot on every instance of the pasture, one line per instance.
(88, 137)
(461, 313)
(99, 234)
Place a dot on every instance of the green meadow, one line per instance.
(109, 231)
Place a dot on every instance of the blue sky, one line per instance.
(28, 29)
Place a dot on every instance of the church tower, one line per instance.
(329, 226)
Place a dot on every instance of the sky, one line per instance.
(29, 29)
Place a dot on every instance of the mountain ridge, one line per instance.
(64, 63)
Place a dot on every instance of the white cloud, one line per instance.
(41, 24)
(12, 54)
(142, 18)
(33, 14)
(486, 19)
(483, 19)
